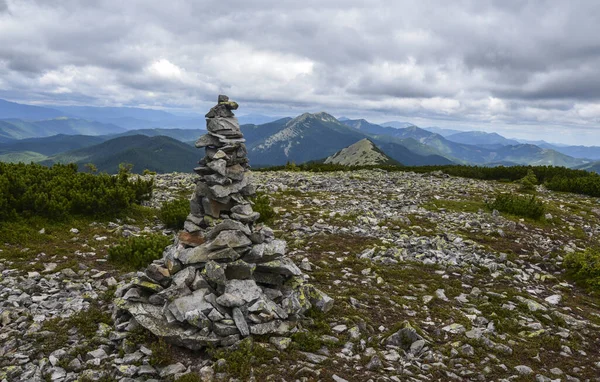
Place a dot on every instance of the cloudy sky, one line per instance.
(526, 69)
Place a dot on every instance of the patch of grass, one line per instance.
(493, 240)
(517, 205)
(86, 322)
(306, 341)
(174, 213)
(191, 377)
(292, 192)
(319, 324)
(239, 362)
(344, 220)
(22, 242)
(137, 252)
(454, 205)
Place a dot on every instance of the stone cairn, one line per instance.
(225, 277)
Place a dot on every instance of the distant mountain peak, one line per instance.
(361, 153)
(322, 116)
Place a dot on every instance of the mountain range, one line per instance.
(159, 153)
(104, 137)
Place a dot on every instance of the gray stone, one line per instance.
(242, 209)
(183, 305)
(215, 179)
(229, 300)
(268, 278)
(215, 316)
(223, 191)
(318, 299)
(207, 374)
(224, 126)
(403, 338)
(246, 290)
(170, 294)
(239, 269)
(198, 319)
(214, 208)
(207, 140)
(454, 328)
(283, 266)
(185, 276)
(214, 273)
(313, 358)
(223, 330)
(523, 370)
(228, 225)
(240, 322)
(205, 253)
(199, 282)
(219, 166)
(171, 370)
(145, 370)
(338, 379)
(235, 172)
(281, 343)
(158, 273)
(231, 239)
(554, 299)
(374, 364)
(151, 318)
(417, 346)
(273, 327)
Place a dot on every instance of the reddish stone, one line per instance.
(191, 239)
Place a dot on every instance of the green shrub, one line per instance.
(174, 213)
(523, 206)
(528, 182)
(60, 191)
(137, 252)
(291, 166)
(161, 353)
(262, 204)
(585, 266)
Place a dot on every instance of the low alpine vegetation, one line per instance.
(524, 206)
(60, 191)
(262, 205)
(528, 182)
(174, 213)
(136, 252)
(585, 266)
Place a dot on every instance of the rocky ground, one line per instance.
(429, 285)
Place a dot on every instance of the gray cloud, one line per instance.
(471, 62)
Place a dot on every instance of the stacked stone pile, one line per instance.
(225, 277)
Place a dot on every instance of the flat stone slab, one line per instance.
(246, 290)
(184, 305)
(152, 318)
